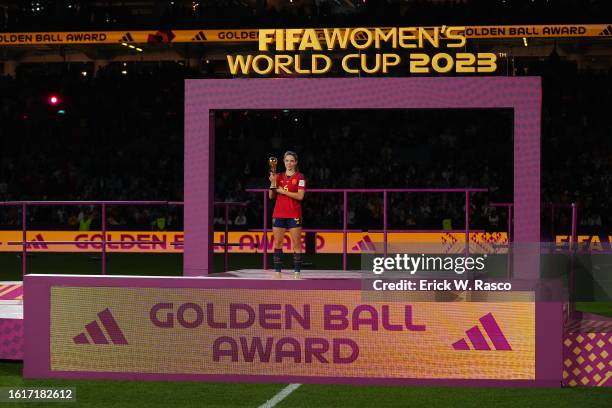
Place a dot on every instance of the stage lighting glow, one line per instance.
(53, 100)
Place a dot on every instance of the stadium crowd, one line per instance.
(64, 15)
(118, 136)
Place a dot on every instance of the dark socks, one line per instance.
(278, 259)
(297, 262)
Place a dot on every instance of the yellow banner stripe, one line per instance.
(251, 35)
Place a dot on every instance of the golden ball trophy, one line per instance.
(272, 163)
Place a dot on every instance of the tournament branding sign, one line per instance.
(596, 243)
(539, 31)
(129, 37)
(279, 51)
(306, 333)
(252, 35)
(91, 241)
(247, 241)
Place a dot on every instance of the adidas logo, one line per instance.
(478, 340)
(365, 244)
(200, 36)
(607, 30)
(35, 243)
(127, 38)
(96, 334)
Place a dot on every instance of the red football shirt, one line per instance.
(287, 207)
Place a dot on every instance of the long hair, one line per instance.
(294, 154)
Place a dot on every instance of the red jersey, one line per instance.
(287, 207)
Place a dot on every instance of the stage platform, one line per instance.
(262, 274)
(587, 338)
(11, 300)
(11, 290)
(11, 320)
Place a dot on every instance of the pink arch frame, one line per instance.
(202, 97)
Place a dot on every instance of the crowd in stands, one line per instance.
(166, 14)
(372, 149)
(116, 136)
(112, 137)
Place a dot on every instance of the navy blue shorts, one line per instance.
(287, 223)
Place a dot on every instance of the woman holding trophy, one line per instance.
(288, 188)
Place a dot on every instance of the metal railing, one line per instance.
(574, 217)
(385, 192)
(227, 205)
(225, 244)
(104, 242)
(24, 225)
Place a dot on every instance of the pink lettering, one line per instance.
(315, 347)
(294, 350)
(125, 238)
(143, 237)
(386, 317)
(371, 319)
(235, 323)
(266, 314)
(338, 358)
(256, 348)
(334, 317)
(230, 350)
(168, 322)
(210, 316)
(199, 315)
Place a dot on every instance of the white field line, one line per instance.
(280, 396)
